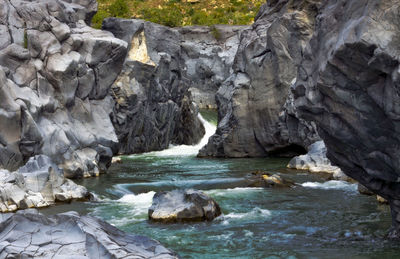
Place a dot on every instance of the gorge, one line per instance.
(307, 76)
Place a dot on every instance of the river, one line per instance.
(320, 218)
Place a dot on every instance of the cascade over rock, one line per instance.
(348, 84)
(55, 75)
(256, 116)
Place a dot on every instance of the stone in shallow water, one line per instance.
(276, 181)
(28, 234)
(183, 206)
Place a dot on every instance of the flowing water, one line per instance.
(317, 219)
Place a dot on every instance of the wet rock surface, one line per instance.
(183, 206)
(39, 183)
(29, 234)
(152, 105)
(348, 84)
(254, 108)
(55, 74)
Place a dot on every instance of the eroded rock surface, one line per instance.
(39, 183)
(254, 102)
(183, 206)
(316, 161)
(55, 76)
(348, 84)
(29, 234)
(208, 54)
(153, 107)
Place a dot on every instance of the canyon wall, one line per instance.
(165, 71)
(348, 84)
(256, 115)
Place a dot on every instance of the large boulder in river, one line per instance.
(29, 234)
(349, 85)
(152, 105)
(183, 206)
(55, 76)
(254, 113)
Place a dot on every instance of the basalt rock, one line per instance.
(29, 234)
(183, 206)
(39, 183)
(316, 161)
(55, 76)
(348, 84)
(208, 54)
(152, 105)
(255, 112)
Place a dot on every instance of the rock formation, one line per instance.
(39, 183)
(183, 206)
(208, 54)
(253, 118)
(55, 76)
(348, 84)
(316, 161)
(153, 107)
(29, 234)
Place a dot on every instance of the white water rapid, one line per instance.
(185, 150)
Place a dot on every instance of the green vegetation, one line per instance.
(25, 39)
(175, 13)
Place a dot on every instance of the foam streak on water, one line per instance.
(185, 150)
(329, 185)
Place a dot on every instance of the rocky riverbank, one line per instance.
(29, 234)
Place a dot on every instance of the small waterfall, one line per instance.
(187, 150)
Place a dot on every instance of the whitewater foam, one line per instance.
(140, 202)
(331, 185)
(185, 150)
(252, 214)
(237, 190)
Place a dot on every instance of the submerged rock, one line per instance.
(183, 206)
(39, 183)
(29, 234)
(264, 179)
(316, 161)
(348, 84)
(276, 180)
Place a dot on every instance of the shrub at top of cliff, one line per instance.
(174, 13)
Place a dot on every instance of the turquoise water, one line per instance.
(317, 219)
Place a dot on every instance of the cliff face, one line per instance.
(153, 107)
(348, 84)
(208, 54)
(256, 116)
(55, 74)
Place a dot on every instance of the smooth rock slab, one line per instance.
(29, 234)
(183, 206)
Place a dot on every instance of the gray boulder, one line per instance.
(55, 76)
(39, 183)
(348, 84)
(254, 118)
(29, 234)
(183, 206)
